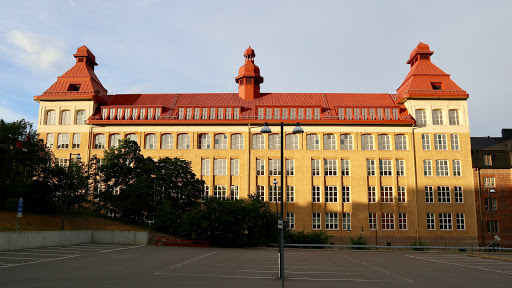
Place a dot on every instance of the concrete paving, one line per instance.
(96, 265)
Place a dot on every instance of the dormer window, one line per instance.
(74, 87)
(436, 85)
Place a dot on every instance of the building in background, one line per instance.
(363, 165)
(492, 169)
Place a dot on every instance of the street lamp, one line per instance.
(77, 158)
(491, 224)
(296, 130)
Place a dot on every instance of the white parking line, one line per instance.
(21, 258)
(21, 253)
(40, 260)
(49, 250)
(124, 248)
(457, 264)
(186, 262)
(377, 268)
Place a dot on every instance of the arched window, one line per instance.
(258, 141)
(384, 142)
(237, 142)
(65, 117)
(313, 142)
(453, 117)
(292, 142)
(367, 142)
(221, 141)
(274, 142)
(183, 141)
(400, 142)
(437, 117)
(204, 141)
(132, 137)
(50, 117)
(167, 141)
(80, 117)
(151, 141)
(329, 142)
(346, 142)
(114, 140)
(99, 141)
(421, 117)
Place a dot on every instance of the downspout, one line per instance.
(415, 182)
(249, 159)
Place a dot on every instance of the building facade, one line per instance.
(492, 170)
(395, 167)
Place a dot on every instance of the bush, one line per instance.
(419, 243)
(360, 240)
(301, 237)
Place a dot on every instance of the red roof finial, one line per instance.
(249, 54)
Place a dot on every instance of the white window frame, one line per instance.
(330, 167)
(316, 193)
(425, 141)
(221, 141)
(429, 194)
(315, 167)
(388, 221)
(400, 142)
(167, 141)
(367, 142)
(386, 194)
(313, 142)
(329, 142)
(184, 141)
(427, 168)
(440, 142)
(346, 142)
(235, 167)
(237, 141)
(331, 221)
(372, 194)
(331, 194)
(205, 167)
(384, 142)
(258, 142)
(386, 167)
(442, 168)
(219, 167)
(274, 167)
(292, 142)
(445, 221)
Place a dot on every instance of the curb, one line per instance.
(491, 257)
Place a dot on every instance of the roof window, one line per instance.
(74, 87)
(436, 85)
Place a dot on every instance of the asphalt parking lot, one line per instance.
(93, 265)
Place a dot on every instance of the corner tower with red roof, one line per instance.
(396, 166)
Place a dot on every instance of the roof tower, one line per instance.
(249, 78)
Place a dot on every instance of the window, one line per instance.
(115, 139)
(385, 167)
(63, 162)
(290, 217)
(197, 112)
(274, 193)
(301, 113)
(442, 168)
(292, 142)
(213, 114)
(456, 168)
(309, 115)
(330, 167)
(367, 142)
(427, 167)
(329, 142)
(99, 141)
(220, 192)
(372, 221)
(331, 221)
(346, 142)
(453, 117)
(425, 140)
(228, 113)
(268, 115)
(76, 141)
(488, 160)
(234, 192)
(458, 194)
(431, 221)
(127, 113)
(356, 114)
(151, 141)
(80, 117)
(274, 142)
(345, 167)
(167, 141)
(205, 167)
(158, 112)
(489, 182)
(429, 194)
(494, 203)
(345, 221)
(455, 142)
(274, 167)
(440, 142)
(316, 194)
(219, 167)
(400, 167)
(494, 226)
(386, 194)
(400, 142)
(284, 112)
(384, 142)
(290, 194)
(142, 113)
(258, 142)
(204, 114)
(50, 140)
(437, 117)
(204, 141)
(206, 193)
(183, 141)
(50, 117)
(131, 137)
(260, 167)
(341, 113)
(189, 114)
(235, 164)
(421, 117)
(317, 221)
(63, 141)
(315, 167)
(221, 141)
(372, 197)
(370, 167)
(461, 222)
(345, 194)
(316, 112)
(443, 194)
(290, 167)
(388, 221)
(445, 221)
(276, 113)
(65, 117)
(260, 190)
(331, 194)
(436, 85)
(402, 194)
(237, 142)
(220, 114)
(380, 115)
(135, 112)
(313, 142)
(402, 221)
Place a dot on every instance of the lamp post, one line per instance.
(78, 158)
(297, 130)
(275, 190)
(491, 224)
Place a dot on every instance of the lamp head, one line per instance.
(297, 129)
(265, 128)
(492, 191)
(78, 157)
(275, 182)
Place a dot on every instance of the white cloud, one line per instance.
(9, 115)
(34, 51)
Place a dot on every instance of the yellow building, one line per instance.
(363, 164)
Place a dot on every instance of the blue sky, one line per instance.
(301, 46)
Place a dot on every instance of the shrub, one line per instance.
(301, 237)
(360, 240)
(419, 243)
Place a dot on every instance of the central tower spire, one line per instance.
(249, 77)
